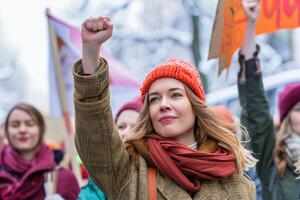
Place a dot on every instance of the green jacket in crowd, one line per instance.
(102, 151)
(259, 123)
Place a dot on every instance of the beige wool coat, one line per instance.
(102, 152)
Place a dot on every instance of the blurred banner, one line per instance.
(230, 24)
(67, 42)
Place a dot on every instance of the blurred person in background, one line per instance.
(59, 154)
(27, 165)
(125, 120)
(278, 157)
(3, 140)
(127, 116)
(177, 150)
(231, 123)
(225, 117)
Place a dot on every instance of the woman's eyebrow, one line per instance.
(173, 89)
(153, 93)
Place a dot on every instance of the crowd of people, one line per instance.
(167, 143)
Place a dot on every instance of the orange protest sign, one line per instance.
(230, 24)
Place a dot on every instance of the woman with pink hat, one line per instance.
(278, 154)
(127, 116)
(177, 150)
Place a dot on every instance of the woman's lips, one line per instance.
(23, 139)
(166, 119)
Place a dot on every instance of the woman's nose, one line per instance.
(164, 104)
(23, 128)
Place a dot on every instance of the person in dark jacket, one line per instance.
(278, 157)
(27, 165)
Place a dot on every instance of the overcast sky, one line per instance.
(25, 28)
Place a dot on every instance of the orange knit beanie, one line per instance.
(178, 69)
(225, 117)
(223, 113)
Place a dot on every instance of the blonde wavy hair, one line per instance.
(206, 125)
(280, 156)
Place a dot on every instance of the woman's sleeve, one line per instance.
(256, 117)
(67, 185)
(97, 140)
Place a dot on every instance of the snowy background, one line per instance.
(146, 33)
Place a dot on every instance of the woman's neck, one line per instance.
(27, 155)
(187, 138)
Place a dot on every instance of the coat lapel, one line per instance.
(169, 189)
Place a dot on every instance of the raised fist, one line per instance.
(251, 8)
(95, 31)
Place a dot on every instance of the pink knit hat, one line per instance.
(135, 105)
(178, 69)
(288, 97)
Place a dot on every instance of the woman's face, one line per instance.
(171, 111)
(126, 121)
(23, 131)
(295, 118)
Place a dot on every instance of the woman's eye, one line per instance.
(121, 127)
(176, 94)
(30, 123)
(297, 109)
(153, 100)
(14, 125)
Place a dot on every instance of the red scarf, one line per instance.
(23, 179)
(187, 166)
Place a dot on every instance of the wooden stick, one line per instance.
(70, 146)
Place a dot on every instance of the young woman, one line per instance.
(127, 116)
(26, 160)
(176, 134)
(278, 157)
